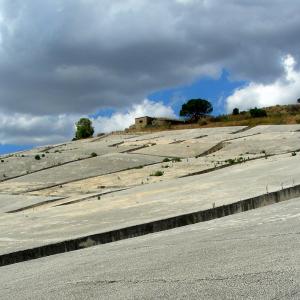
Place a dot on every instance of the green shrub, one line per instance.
(139, 167)
(94, 154)
(235, 111)
(165, 166)
(157, 173)
(84, 129)
(257, 112)
(176, 159)
(294, 154)
(166, 160)
(37, 157)
(230, 161)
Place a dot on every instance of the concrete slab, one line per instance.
(252, 255)
(9, 202)
(87, 168)
(274, 128)
(147, 202)
(182, 150)
(52, 156)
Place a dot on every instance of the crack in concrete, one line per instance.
(170, 281)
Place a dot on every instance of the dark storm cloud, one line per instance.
(76, 56)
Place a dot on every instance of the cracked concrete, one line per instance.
(244, 256)
(255, 256)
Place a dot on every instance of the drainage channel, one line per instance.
(150, 227)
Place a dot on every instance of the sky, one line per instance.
(116, 60)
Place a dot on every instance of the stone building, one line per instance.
(145, 121)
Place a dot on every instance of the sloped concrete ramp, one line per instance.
(253, 255)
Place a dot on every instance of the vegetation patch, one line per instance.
(166, 160)
(176, 159)
(157, 173)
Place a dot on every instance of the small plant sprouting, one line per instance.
(166, 159)
(176, 159)
(139, 167)
(157, 173)
(230, 161)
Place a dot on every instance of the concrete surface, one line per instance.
(44, 225)
(252, 255)
(51, 156)
(10, 202)
(99, 165)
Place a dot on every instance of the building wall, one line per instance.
(145, 121)
(142, 122)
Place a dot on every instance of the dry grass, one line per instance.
(277, 115)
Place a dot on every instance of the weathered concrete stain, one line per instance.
(151, 227)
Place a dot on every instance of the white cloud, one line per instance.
(284, 90)
(29, 129)
(95, 54)
(122, 120)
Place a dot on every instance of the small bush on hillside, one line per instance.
(257, 112)
(235, 111)
(37, 157)
(157, 173)
(230, 161)
(176, 159)
(294, 154)
(166, 160)
(93, 154)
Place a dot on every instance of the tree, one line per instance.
(84, 129)
(194, 109)
(235, 111)
(257, 113)
(298, 100)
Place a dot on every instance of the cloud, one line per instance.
(23, 129)
(29, 129)
(79, 56)
(284, 90)
(122, 120)
(61, 59)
